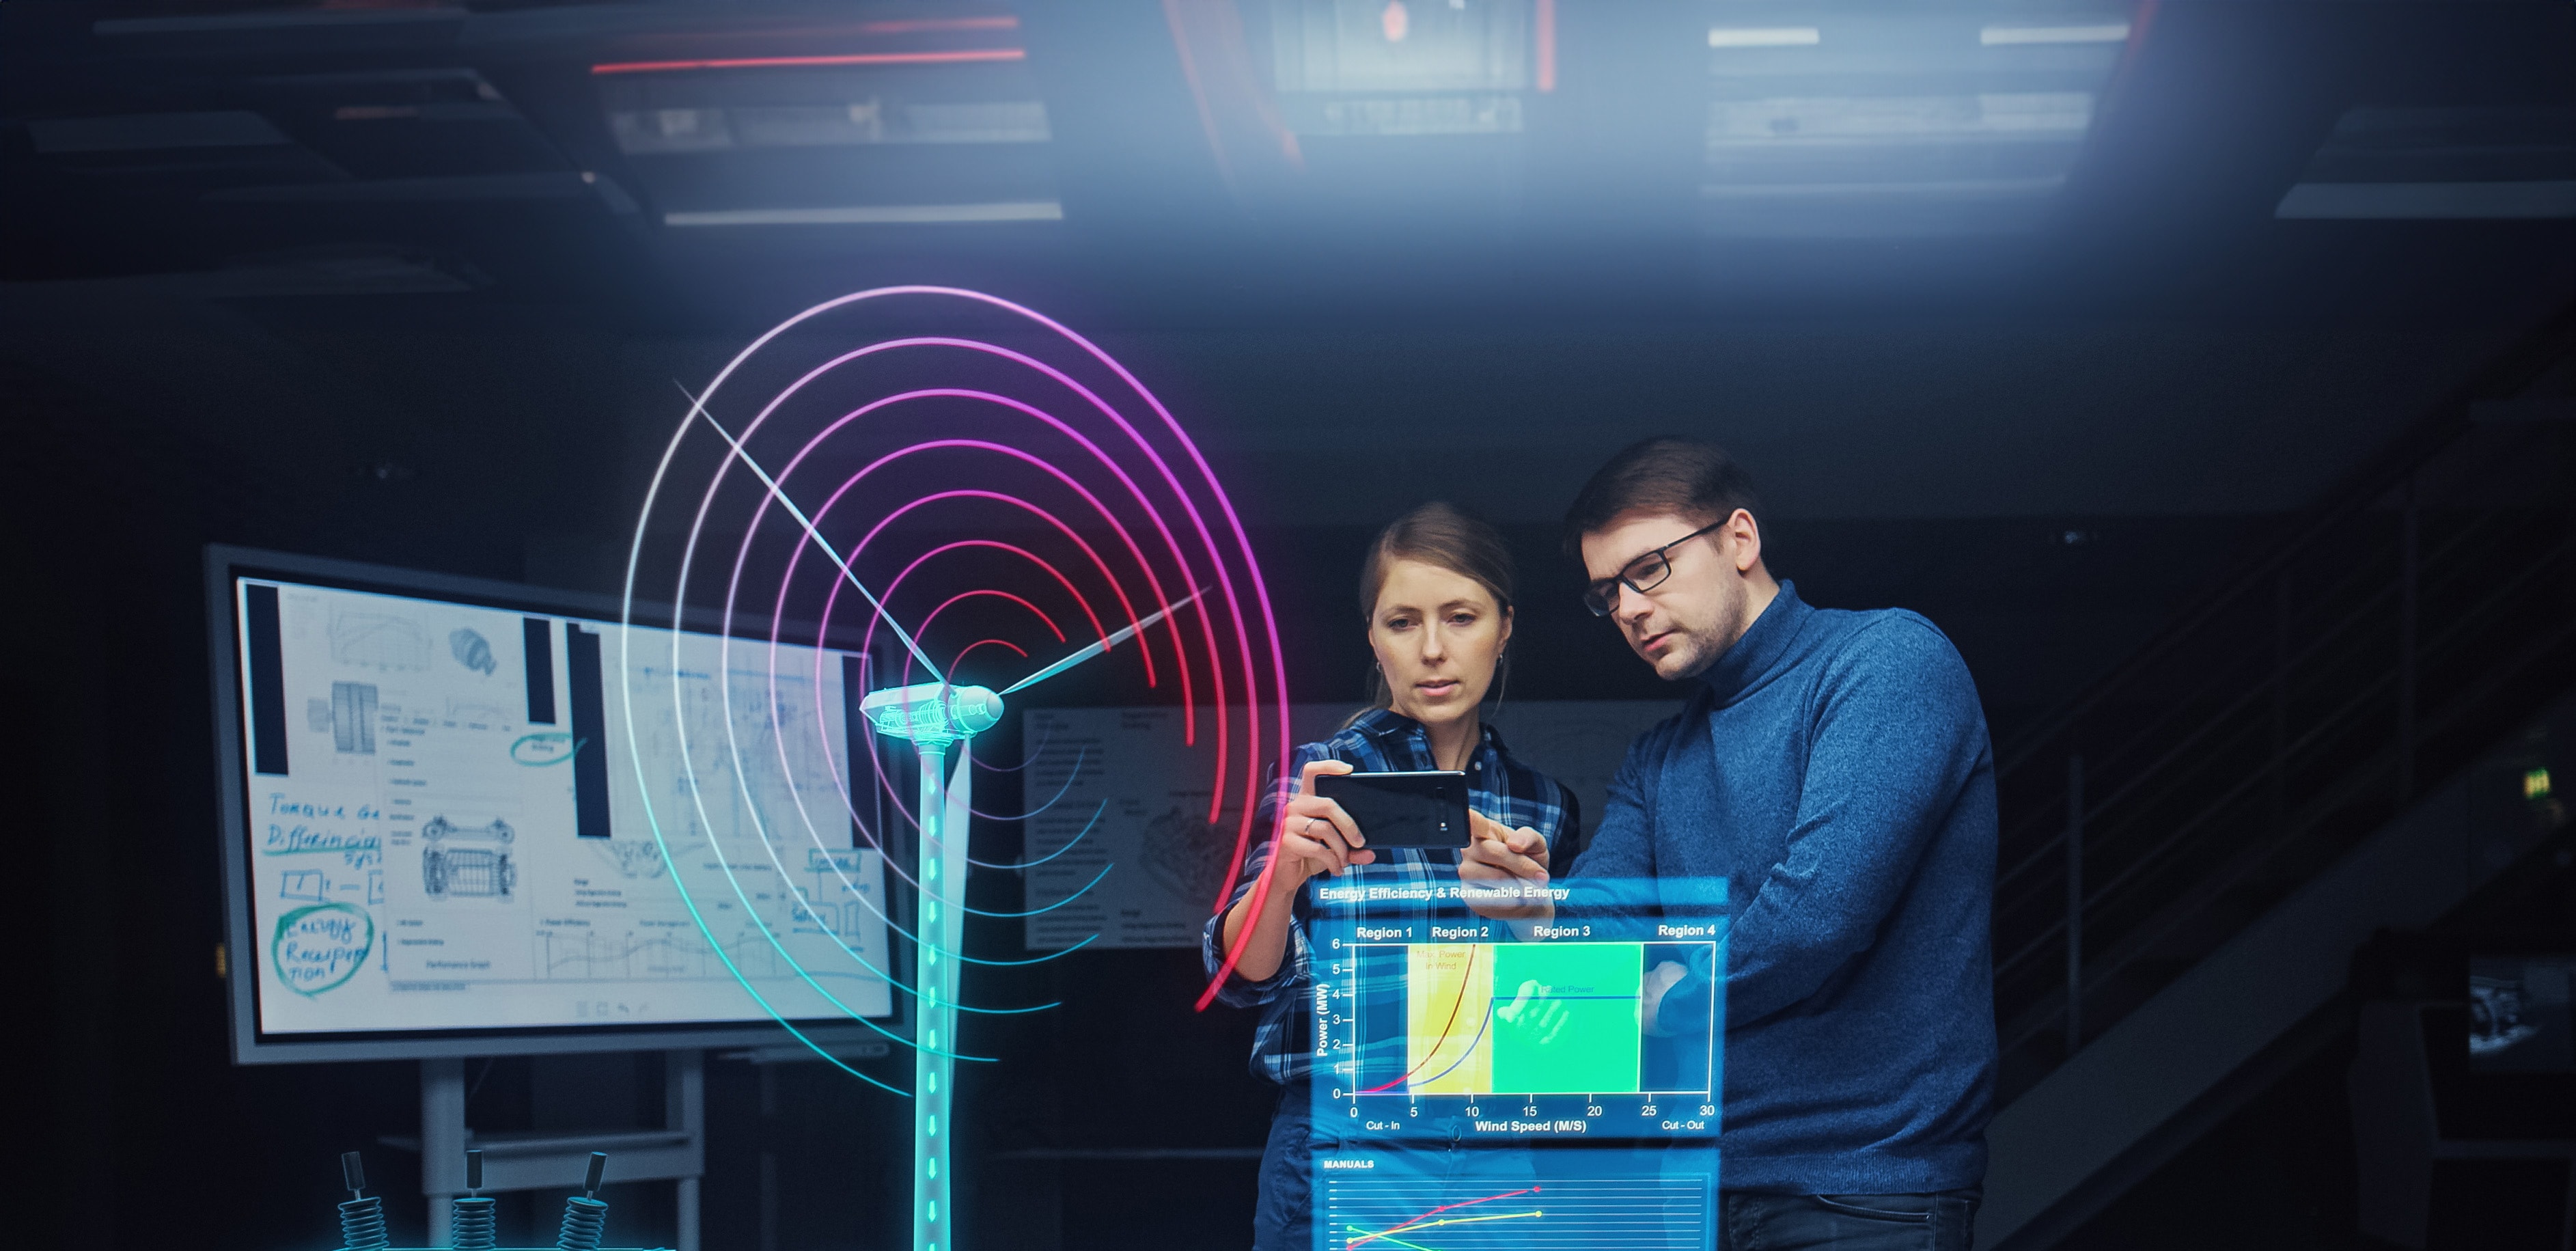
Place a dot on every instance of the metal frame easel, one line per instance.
(555, 1160)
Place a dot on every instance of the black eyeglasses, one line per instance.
(1641, 575)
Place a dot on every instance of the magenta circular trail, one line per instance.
(1241, 620)
(1050, 420)
(1225, 577)
(1127, 539)
(1016, 649)
(796, 554)
(1110, 411)
(831, 601)
(868, 636)
(1189, 703)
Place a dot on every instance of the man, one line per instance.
(1834, 768)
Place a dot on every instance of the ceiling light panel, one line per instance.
(878, 136)
(1851, 123)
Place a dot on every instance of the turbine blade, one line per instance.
(1097, 648)
(698, 409)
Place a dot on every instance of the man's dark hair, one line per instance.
(1689, 478)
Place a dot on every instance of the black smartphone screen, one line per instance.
(1427, 809)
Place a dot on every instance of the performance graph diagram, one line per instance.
(1482, 1019)
(1481, 1035)
(1642, 1212)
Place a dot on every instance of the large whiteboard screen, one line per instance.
(447, 830)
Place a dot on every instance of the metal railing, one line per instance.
(2381, 643)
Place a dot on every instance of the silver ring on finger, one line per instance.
(1310, 826)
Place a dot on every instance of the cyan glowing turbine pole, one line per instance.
(930, 716)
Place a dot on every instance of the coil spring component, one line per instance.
(582, 1223)
(472, 1223)
(362, 1224)
(584, 1215)
(362, 1218)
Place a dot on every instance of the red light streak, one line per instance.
(780, 62)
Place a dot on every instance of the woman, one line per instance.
(1436, 592)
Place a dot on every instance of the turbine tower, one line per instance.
(931, 716)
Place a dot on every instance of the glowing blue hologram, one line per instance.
(1400, 1197)
(1145, 479)
(1585, 1013)
(362, 1218)
(932, 712)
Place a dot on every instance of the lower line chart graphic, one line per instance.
(1642, 1211)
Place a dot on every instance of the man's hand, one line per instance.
(1538, 1022)
(1501, 868)
(1650, 997)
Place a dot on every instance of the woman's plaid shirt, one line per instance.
(1380, 741)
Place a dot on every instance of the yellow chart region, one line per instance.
(1448, 991)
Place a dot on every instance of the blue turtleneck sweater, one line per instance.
(1833, 767)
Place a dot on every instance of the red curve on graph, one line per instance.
(1463, 1203)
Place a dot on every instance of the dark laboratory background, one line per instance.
(2206, 369)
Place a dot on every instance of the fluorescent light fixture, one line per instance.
(1749, 126)
(2429, 201)
(792, 62)
(909, 26)
(1763, 36)
(2103, 32)
(875, 214)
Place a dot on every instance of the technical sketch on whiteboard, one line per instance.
(472, 651)
(467, 872)
(448, 871)
(1186, 854)
(439, 827)
(348, 716)
(353, 717)
(634, 858)
(477, 712)
(379, 641)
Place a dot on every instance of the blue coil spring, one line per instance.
(473, 1225)
(583, 1220)
(362, 1225)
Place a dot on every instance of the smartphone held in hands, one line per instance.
(1424, 809)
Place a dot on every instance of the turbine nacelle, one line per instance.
(932, 712)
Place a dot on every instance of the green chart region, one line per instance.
(1539, 1019)
(1566, 1017)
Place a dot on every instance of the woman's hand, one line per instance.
(1315, 835)
(1500, 867)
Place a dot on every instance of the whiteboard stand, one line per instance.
(553, 1160)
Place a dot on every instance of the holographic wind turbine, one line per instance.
(931, 716)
